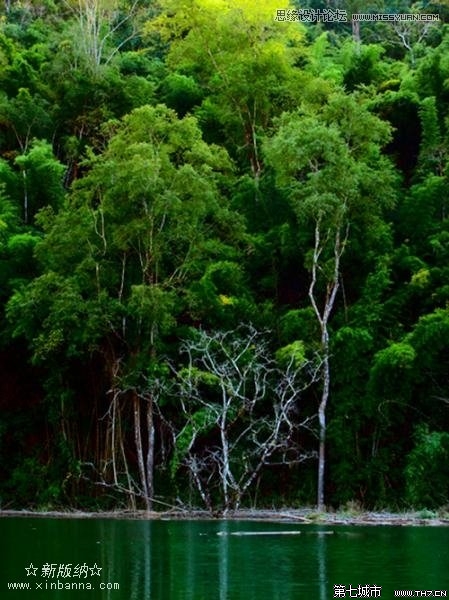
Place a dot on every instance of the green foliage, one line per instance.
(26, 116)
(220, 296)
(427, 470)
(392, 372)
(42, 178)
(294, 354)
(431, 135)
(181, 92)
(330, 162)
(235, 53)
(9, 183)
(32, 479)
(321, 59)
(423, 210)
(200, 423)
(153, 306)
(132, 228)
(49, 312)
(298, 323)
(8, 219)
(363, 66)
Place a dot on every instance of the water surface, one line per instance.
(215, 560)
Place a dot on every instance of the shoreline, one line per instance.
(284, 515)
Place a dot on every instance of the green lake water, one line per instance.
(215, 560)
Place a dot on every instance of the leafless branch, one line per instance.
(233, 390)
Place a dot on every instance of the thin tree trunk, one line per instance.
(194, 470)
(150, 454)
(251, 140)
(121, 452)
(139, 448)
(323, 316)
(25, 196)
(225, 456)
(356, 33)
(322, 431)
(113, 438)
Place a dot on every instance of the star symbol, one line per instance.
(95, 570)
(31, 570)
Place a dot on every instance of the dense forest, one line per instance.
(224, 254)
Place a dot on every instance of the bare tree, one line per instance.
(410, 34)
(98, 21)
(241, 411)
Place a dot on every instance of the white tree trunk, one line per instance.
(323, 316)
(150, 454)
(139, 451)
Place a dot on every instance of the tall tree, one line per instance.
(330, 166)
(117, 260)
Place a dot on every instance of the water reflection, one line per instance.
(224, 560)
(223, 563)
(322, 562)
